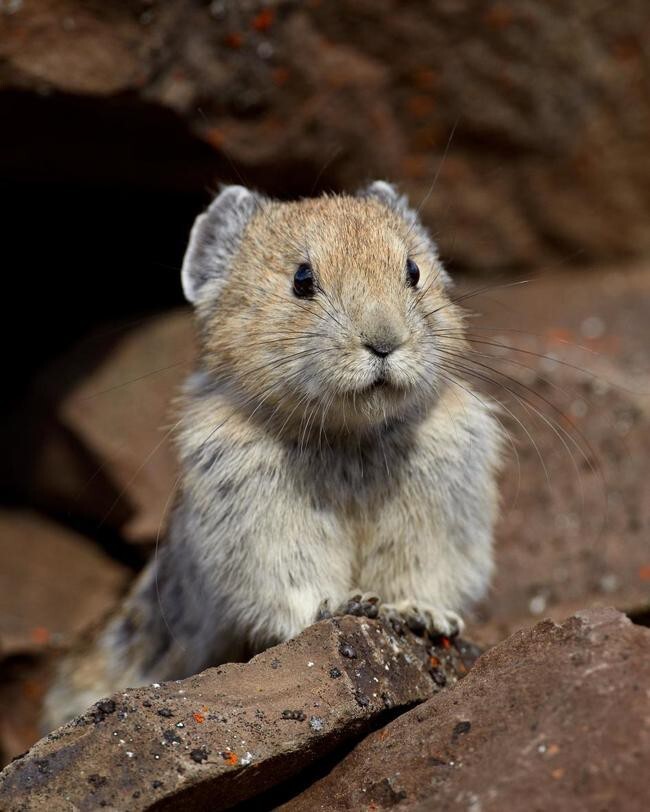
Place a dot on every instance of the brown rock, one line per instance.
(555, 717)
(231, 732)
(108, 455)
(53, 582)
(576, 493)
(547, 103)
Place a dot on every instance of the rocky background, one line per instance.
(523, 132)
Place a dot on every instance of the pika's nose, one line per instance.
(381, 348)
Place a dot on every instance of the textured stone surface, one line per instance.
(548, 103)
(576, 494)
(104, 451)
(231, 732)
(53, 582)
(556, 717)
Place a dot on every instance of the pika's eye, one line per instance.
(412, 273)
(303, 280)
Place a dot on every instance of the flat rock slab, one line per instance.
(231, 732)
(557, 717)
(54, 582)
(575, 522)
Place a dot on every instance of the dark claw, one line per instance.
(354, 608)
(416, 623)
(370, 610)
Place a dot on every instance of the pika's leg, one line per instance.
(430, 549)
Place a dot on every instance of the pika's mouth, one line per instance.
(380, 384)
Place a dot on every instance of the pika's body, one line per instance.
(328, 444)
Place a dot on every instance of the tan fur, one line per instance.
(303, 481)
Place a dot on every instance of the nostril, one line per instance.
(380, 348)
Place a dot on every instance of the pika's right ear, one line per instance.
(214, 239)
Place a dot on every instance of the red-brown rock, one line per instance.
(53, 583)
(555, 717)
(231, 732)
(547, 104)
(568, 356)
(105, 452)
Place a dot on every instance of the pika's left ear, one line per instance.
(214, 241)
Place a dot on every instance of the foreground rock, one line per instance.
(54, 583)
(232, 732)
(547, 100)
(557, 717)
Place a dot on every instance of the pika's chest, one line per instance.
(354, 483)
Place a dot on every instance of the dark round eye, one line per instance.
(412, 273)
(303, 280)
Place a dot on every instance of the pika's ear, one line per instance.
(214, 239)
(383, 191)
(387, 194)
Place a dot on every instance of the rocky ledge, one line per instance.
(230, 733)
(555, 717)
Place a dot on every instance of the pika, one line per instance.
(331, 455)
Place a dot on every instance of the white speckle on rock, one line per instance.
(592, 327)
(310, 664)
(316, 723)
(609, 582)
(537, 604)
(578, 408)
(130, 753)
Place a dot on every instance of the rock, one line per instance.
(546, 104)
(53, 583)
(107, 455)
(576, 495)
(231, 732)
(555, 717)
(23, 681)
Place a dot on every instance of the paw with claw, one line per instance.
(360, 604)
(423, 617)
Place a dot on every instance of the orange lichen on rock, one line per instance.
(263, 20)
(40, 635)
(234, 39)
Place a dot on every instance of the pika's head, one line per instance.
(327, 312)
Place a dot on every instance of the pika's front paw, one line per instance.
(423, 617)
(359, 604)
